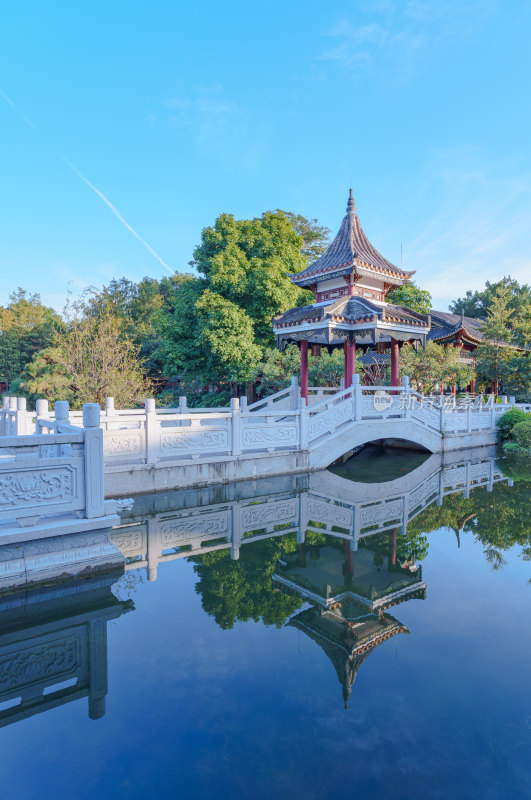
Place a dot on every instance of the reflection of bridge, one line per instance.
(53, 647)
(164, 527)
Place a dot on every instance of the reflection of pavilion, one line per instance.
(53, 647)
(349, 595)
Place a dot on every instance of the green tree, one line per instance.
(494, 353)
(478, 303)
(219, 327)
(411, 296)
(248, 263)
(91, 358)
(315, 238)
(517, 377)
(434, 365)
(26, 326)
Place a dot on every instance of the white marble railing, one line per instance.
(53, 476)
(281, 422)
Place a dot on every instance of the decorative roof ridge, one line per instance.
(349, 246)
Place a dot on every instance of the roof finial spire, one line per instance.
(351, 205)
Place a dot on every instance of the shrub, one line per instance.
(521, 434)
(508, 420)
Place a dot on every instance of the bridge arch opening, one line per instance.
(380, 461)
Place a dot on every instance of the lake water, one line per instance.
(274, 653)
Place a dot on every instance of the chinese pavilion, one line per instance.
(350, 282)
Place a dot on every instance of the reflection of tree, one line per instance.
(128, 583)
(237, 591)
(498, 519)
(411, 546)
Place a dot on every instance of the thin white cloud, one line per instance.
(118, 215)
(17, 110)
(379, 35)
(479, 226)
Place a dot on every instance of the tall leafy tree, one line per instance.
(477, 303)
(411, 296)
(494, 353)
(91, 358)
(219, 327)
(26, 326)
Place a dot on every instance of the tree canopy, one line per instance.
(219, 328)
(26, 326)
(411, 296)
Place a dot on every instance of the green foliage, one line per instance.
(521, 434)
(26, 326)
(433, 366)
(314, 236)
(411, 296)
(226, 336)
(517, 377)
(277, 369)
(326, 370)
(507, 422)
(478, 304)
(494, 354)
(238, 591)
(91, 358)
(247, 263)
(219, 327)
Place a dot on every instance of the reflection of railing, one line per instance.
(178, 533)
(53, 648)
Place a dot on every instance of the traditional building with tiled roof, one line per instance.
(350, 282)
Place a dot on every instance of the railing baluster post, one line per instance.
(41, 410)
(152, 431)
(12, 417)
(357, 396)
(62, 412)
(303, 424)
(406, 390)
(93, 447)
(236, 420)
(295, 393)
(4, 415)
(21, 421)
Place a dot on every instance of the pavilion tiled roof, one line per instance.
(350, 245)
(350, 310)
(444, 325)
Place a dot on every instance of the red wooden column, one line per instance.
(350, 356)
(304, 370)
(473, 386)
(395, 349)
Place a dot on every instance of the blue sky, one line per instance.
(176, 112)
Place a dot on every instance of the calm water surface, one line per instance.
(312, 665)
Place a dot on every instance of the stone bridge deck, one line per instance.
(156, 449)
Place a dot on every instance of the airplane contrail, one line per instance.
(118, 215)
(8, 100)
(114, 210)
